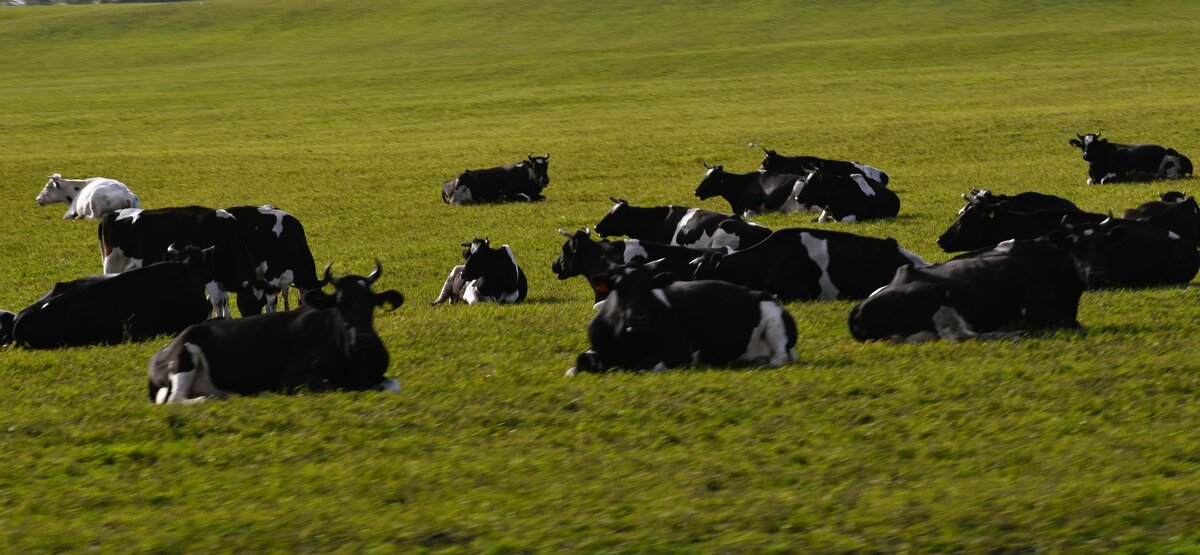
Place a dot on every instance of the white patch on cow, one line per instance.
(602, 301)
(701, 242)
(218, 298)
(131, 214)
(709, 172)
(181, 385)
(850, 218)
(949, 324)
(509, 297)
(353, 333)
(768, 340)
(513, 258)
(1090, 182)
(917, 261)
(224, 214)
(1005, 246)
(825, 217)
(633, 250)
(687, 217)
(876, 292)
(269, 210)
(1089, 232)
(1172, 235)
(1105, 179)
(389, 385)
(661, 296)
(116, 262)
(818, 252)
(659, 367)
(45, 305)
(874, 174)
(160, 397)
(724, 239)
(471, 292)
(863, 185)
(792, 204)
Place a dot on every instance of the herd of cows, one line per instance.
(687, 286)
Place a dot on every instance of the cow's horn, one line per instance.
(765, 150)
(966, 198)
(172, 250)
(587, 231)
(547, 156)
(374, 276)
(705, 164)
(614, 199)
(530, 155)
(467, 244)
(563, 232)
(329, 275)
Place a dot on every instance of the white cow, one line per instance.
(89, 199)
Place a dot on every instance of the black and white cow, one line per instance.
(277, 243)
(522, 181)
(584, 256)
(1020, 202)
(1017, 288)
(1116, 162)
(670, 225)
(332, 344)
(1126, 253)
(810, 264)
(773, 162)
(736, 234)
(157, 299)
(650, 322)
(488, 276)
(753, 193)
(983, 226)
(6, 327)
(132, 237)
(846, 198)
(1173, 212)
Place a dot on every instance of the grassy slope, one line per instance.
(350, 113)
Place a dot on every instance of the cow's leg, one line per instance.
(587, 361)
(218, 298)
(452, 285)
(181, 385)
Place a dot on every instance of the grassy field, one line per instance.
(351, 113)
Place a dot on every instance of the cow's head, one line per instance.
(706, 265)
(539, 168)
(482, 259)
(6, 327)
(974, 227)
(56, 191)
(978, 197)
(1085, 144)
(474, 245)
(713, 183)
(202, 261)
(355, 304)
(1096, 249)
(639, 301)
(812, 194)
(618, 220)
(771, 161)
(580, 254)
(1173, 196)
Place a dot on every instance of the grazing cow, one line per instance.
(773, 162)
(583, 256)
(751, 193)
(986, 225)
(652, 323)
(6, 327)
(132, 237)
(736, 234)
(488, 276)
(1173, 212)
(88, 199)
(331, 344)
(277, 243)
(845, 198)
(1016, 288)
(1126, 253)
(522, 181)
(1116, 162)
(157, 299)
(671, 225)
(1020, 202)
(810, 264)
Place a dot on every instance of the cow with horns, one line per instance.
(519, 182)
(773, 162)
(488, 275)
(1116, 162)
(750, 194)
(584, 256)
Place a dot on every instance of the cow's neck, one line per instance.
(649, 224)
(739, 189)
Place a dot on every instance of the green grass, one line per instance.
(351, 113)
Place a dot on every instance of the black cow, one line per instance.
(1174, 212)
(522, 181)
(584, 256)
(979, 227)
(488, 276)
(751, 193)
(161, 298)
(773, 162)
(280, 250)
(846, 198)
(331, 344)
(652, 323)
(1116, 162)
(132, 237)
(736, 234)
(810, 264)
(6, 327)
(1126, 253)
(671, 225)
(1020, 202)
(1016, 288)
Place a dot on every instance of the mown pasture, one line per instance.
(350, 113)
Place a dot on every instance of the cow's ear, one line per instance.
(389, 300)
(1117, 234)
(1075, 143)
(318, 299)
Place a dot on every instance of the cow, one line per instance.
(1017, 288)
(156, 299)
(6, 327)
(986, 225)
(1173, 212)
(522, 182)
(810, 264)
(584, 256)
(1116, 162)
(331, 344)
(773, 162)
(1020, 202)
(650, 322)
(280, 250)
(753, 193)
(488, 276)
(133, 237)
(1125, 253)
(736, 234)
(845, 198)
(87, 199)
(671, 225)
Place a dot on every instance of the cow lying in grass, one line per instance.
(87, 199)
(488, 276)
(584, 256)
